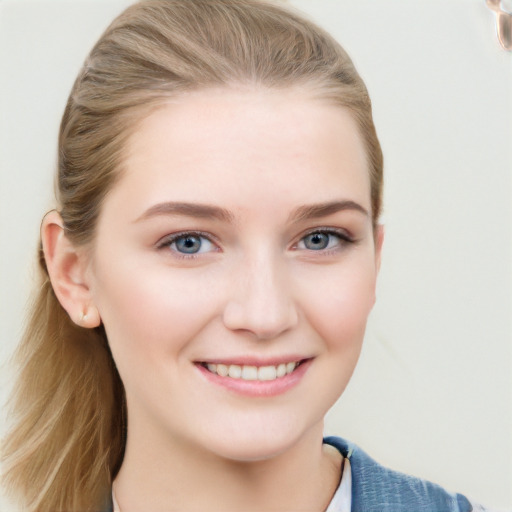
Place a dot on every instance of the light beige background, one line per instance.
(432, 395)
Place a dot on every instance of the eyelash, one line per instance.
(342, 235)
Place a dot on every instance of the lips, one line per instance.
(251, 372)
(255, 378)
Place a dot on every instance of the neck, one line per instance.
(176, 475)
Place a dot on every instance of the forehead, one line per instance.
(213, 142)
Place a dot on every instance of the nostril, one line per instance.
(258, 319)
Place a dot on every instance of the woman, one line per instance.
(207, 275)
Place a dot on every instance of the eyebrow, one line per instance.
(201, 211)
(206, 211)
(316, 211)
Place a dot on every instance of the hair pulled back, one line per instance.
(68, 437)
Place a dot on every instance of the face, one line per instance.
(234, 269)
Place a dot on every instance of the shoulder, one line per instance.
(379, 489)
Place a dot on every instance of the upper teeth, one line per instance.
(244, 372)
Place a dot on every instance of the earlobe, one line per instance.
(67, 270)
(89, 318)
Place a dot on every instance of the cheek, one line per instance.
(153, 311)
(338, 305)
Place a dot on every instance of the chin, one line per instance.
(260, 444)
(255, 450)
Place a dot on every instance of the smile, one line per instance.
(249, 372)
(253, 379)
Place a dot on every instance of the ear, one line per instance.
(379, 240)
(67, 266)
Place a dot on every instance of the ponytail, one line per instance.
(67, 438)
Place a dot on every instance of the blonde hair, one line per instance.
(68, 437)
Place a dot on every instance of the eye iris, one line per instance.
(317, 241)
(188, 244)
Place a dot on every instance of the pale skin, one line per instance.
(241, 233)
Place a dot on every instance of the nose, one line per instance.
(261, 299)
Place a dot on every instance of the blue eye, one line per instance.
(317, 241)
(322, 240)
(188, 244)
